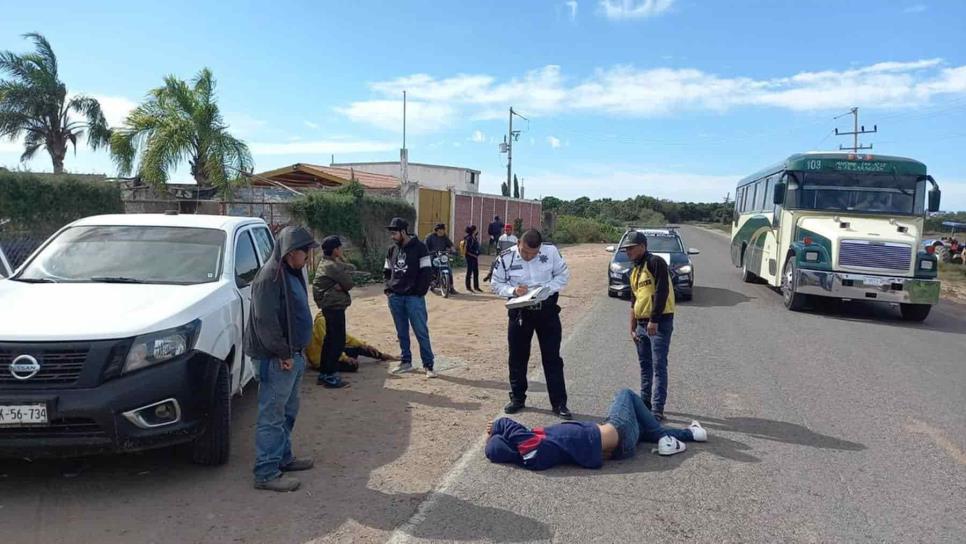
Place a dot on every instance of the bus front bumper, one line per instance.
(867, 287)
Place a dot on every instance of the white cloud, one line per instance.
(572, 5)
(916, 8)
(617, 10)
(554, 142)
(421, 117)
(115, 108)
(604, 181)
(311, 125)
(478, 137)
(630, 91)
(322, 147)
(244, 125)
(6, 146)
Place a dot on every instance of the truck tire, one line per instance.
(793, 301)
(213, 446)
(914, 312)
(745, 275)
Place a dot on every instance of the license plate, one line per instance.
(16, 415)
(876, 282)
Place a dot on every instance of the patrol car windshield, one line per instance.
(655, 244)
(129, 254)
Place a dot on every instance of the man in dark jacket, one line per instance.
(279, 329)
(408, 272)
(333, 281)
(439, 242)
(494, 230)
(472, 247)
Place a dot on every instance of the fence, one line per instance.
(479, 209)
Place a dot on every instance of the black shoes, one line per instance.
(563, 412)
(513, 406)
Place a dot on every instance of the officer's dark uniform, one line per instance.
(546, 269)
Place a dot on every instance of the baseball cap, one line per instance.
(634, 238)
(331, 242)
(439, 226)
(398, 223)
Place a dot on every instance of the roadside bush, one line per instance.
(356, 216)
(28, 199)
(578, 230)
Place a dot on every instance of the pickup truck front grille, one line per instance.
(59, 366)
(875, 255)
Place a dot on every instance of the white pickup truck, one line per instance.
(125, 332)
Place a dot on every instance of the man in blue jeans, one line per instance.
(585, 443)
(279, 329)
(652, 319)
(408, 272)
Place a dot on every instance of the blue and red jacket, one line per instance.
(540, 448)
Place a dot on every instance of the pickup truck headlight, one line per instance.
(686, 269)
(155, 348)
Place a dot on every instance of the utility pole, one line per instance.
(856, 147)
(507, 147)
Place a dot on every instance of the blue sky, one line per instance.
(672, 98)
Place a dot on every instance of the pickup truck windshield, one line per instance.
(129, 254)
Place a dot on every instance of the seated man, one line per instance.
(354, 348)
(585, 443)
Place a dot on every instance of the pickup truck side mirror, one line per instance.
(779, 197)
(934, 197)
(610, 249)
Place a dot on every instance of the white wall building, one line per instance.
(433, 176)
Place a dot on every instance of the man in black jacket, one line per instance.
(439, 242)
(408, 272)
(494, 230)
(279, 329)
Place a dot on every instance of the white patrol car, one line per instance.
(125, 332)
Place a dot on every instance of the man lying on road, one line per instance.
(586, 443)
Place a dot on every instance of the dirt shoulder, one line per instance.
(415, 428)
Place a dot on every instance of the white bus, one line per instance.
(839, 225)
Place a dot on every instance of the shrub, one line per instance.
(28, 200)
(578, 230)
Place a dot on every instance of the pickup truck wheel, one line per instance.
(213, 446)
(914, 312)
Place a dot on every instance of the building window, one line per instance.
(472, 178)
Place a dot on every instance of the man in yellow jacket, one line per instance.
(354, 348)
(652, 319)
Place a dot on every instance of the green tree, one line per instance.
(180, 122)
(516, 187)
(34, 104)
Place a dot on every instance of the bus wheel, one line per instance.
(914, 312)
(793, 301)
(745, 275)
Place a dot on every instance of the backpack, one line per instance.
(463, 248)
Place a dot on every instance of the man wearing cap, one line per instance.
(439, 242)
(280, 328)
(333, 281)
(652, 319)
(408, 272)
(507, 240)
(529, 265)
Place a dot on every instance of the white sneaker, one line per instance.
(430, 374)
(669, 445)
(403, 368)
(699, 432)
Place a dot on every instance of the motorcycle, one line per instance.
(442, 274)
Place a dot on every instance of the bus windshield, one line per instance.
(855, 192)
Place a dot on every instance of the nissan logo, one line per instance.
(24, 367)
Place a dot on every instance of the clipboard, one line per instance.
(532, 298)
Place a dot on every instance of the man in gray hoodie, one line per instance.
(279, 329)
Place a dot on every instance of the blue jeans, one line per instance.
(278, 406)
(406, 310)
(652, 355)
(635, 423)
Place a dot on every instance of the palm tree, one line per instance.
(34, 104)
(180, 122)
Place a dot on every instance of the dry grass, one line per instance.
(953, 278)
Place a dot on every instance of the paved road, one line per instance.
(841, 425)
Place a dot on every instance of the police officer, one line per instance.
(652, 319)
(528, 265)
